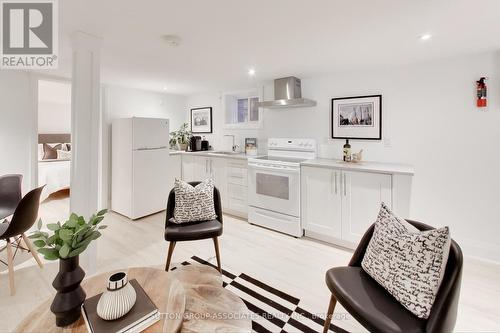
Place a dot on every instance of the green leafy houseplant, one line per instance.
(69, 239)
(181, 136)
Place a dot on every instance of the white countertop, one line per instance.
(381, 167)
(208, 153)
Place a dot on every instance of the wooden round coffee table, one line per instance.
(165, 291)
(209, 306)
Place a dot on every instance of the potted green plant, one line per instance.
(65, 243)
(180, 137)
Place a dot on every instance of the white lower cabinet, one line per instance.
(363, 193)
(217, 170)
(230, 177)
(188, 167)
(321, 201)
(237, 188)
(174, 170)
(338, 206)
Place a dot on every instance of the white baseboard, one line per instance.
(471, 248)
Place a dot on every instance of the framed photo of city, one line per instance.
(357, 117)
(201, 120)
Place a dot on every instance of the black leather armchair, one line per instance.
(378, 311)
(190, 231)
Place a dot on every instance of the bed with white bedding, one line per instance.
(55, 175)
(54, 163)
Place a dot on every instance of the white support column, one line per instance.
(86, 134)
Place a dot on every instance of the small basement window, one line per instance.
(241, 110)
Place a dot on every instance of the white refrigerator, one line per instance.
(140, 177)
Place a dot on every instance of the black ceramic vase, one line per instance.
(70, 295)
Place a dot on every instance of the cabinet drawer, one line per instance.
(237, 199)
(237, 192)
(237, 205)
(237, 164)
(237, 175)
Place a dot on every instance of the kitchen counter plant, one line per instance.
(180, 137)
(65, 243)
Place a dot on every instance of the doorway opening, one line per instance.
(54, 148)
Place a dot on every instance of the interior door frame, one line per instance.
(35, 78)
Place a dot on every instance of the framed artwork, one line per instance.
(201, 120)
(357, 117)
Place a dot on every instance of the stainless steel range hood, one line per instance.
(287, 94)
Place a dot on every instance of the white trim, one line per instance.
(34, 80)
(483, 251)
(34, 131)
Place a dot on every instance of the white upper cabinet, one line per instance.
(362, 194)
(321, 201)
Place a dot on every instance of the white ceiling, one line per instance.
(221, 39)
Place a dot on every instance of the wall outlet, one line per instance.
(387, 142)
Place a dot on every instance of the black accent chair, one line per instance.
(10, 194)
(13, 232)
(377, 310)
(190, 231)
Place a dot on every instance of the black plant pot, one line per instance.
(70, 295)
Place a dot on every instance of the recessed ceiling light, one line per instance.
(164, 88)
(425, 37)
(251, 72)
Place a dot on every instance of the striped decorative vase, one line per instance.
(118, 299)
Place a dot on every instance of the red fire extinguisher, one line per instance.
(481, 91)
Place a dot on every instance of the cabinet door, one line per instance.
(218, 173)
(188, 168)
(174, 169)
(321, 201)
(362, 194)
(201, 168)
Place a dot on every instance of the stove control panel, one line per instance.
(291, 144)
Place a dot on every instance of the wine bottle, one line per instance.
(347, 151)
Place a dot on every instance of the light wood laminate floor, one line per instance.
(296, 266)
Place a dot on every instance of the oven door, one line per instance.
(274, 188)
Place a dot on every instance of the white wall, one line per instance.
(120, 102)
(54, 106)
(431, 122)
(54, 118)
(18, 126)
(123, 102)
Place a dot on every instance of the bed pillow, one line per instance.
(50, 151)
(408, 263)
(194, 203)
(63, 155)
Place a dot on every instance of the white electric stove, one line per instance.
(274, 184)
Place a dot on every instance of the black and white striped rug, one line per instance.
(275, 310)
